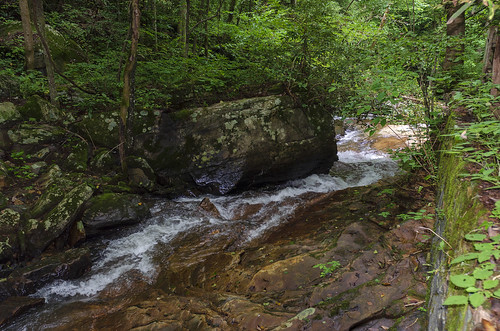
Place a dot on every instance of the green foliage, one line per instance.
(327, 268)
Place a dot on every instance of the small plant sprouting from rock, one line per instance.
(327, 268)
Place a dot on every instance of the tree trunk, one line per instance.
(155, 25)
(39, 21)
(455, 29)
(184, 26)
(232, 6)
(127, 102)
(29, 49)
(488, 51)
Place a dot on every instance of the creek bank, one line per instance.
(209, 280)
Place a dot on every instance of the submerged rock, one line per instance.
(238, 144)
(111, 210)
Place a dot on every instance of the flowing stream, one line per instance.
(252, 213)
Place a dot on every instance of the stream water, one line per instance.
(251, 214)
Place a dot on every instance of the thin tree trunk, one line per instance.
(496, 76)
(127, 102)
(39, 20)
(207, 11)
(29, 48)
(155, 25)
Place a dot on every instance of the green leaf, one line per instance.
(496, 294)
(482, 274)
(456, 300)
(463, 281)
(477, 299)
(484, 256)
(465, 257)
(490, 283)
(475, 237)
(484, 246)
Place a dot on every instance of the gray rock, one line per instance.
(111, 210)
(8, 113)
(234, 145)
(77, 159)
(140, 173)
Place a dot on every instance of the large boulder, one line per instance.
(238, 144)
(40, 109)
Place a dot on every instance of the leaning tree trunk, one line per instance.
(39, 21)
(29, 48)
(127, 102)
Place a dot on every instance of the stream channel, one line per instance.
(250, 264)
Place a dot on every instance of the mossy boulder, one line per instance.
(54, 193)
(238, 144)
(10, 224)
(8, 113)
(41, 110)
(111, 210)
(41, 233)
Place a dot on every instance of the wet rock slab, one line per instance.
(15, 306)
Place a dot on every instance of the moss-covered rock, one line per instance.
(8, 113)
(111, 210)
(241, 143)
(51, 197)
(41, 234)
(40, 109)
